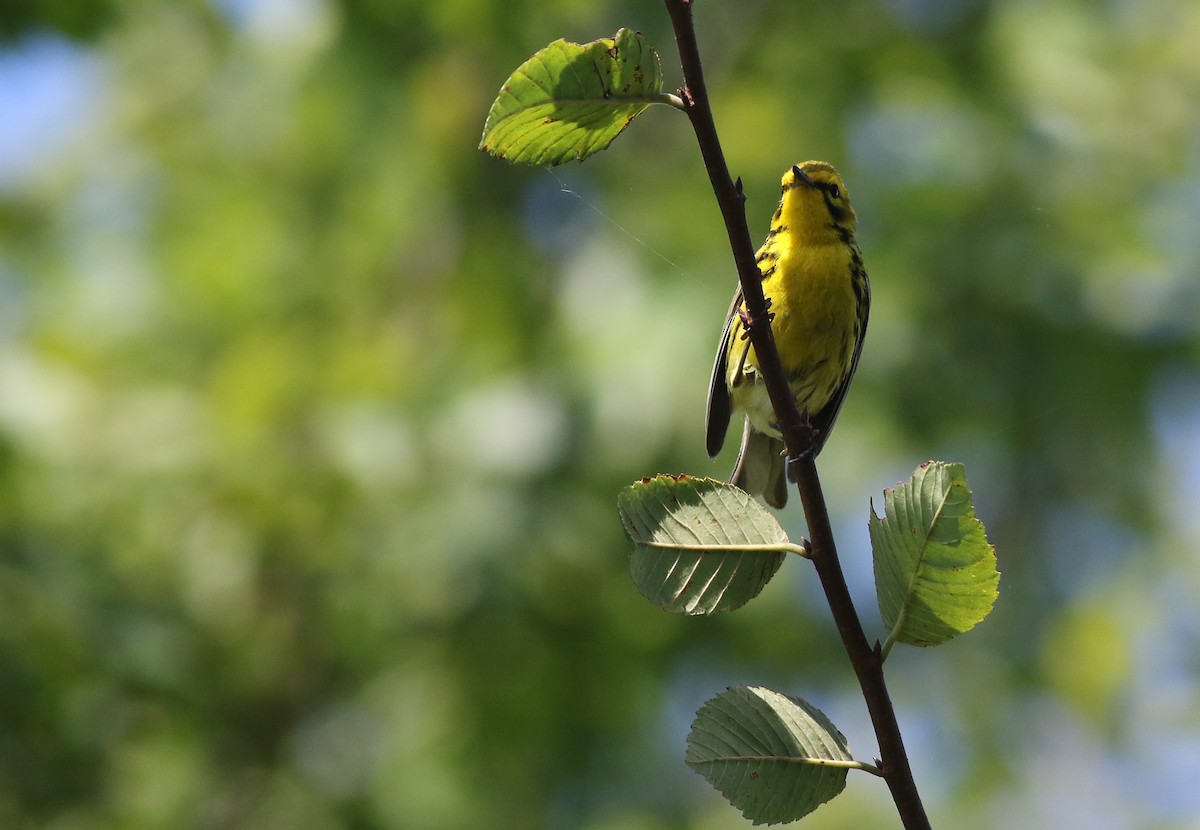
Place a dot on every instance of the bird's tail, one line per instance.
(760, 467)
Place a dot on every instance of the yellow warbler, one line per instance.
(818, 297)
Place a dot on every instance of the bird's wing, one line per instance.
(720, 405)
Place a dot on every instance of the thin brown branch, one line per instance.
(867, 660)
(732, 202)
(797, 434)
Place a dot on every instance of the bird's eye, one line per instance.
(835, 191)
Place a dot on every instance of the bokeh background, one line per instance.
(312, 417)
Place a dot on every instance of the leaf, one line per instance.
(935, 572)
(570, 101)
(774, 757)
(699, 545)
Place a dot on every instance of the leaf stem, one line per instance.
(797, 432)
(890, 641)
(812, 762)
(785, 547)
(669, 99)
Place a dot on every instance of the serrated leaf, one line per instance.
(699, 546)
(570, 100)
(935, 572)
(774, 757)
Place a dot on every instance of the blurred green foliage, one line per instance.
(312, 417)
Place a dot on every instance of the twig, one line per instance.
(732, 202)
(867, 661)
(797, 433)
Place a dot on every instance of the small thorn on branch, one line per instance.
(746, 319)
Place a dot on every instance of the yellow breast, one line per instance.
(815, 326)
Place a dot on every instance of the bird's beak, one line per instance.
(802, 177)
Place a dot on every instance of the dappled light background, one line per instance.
(312, 417)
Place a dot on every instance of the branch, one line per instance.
(732, 202)
(867, 661)
(797, 433)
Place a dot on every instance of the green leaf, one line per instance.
(935, 572)
(774, 757)
(699, 545)
(570, 101)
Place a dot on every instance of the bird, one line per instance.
(819, 298)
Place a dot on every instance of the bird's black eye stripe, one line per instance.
(837, 210)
